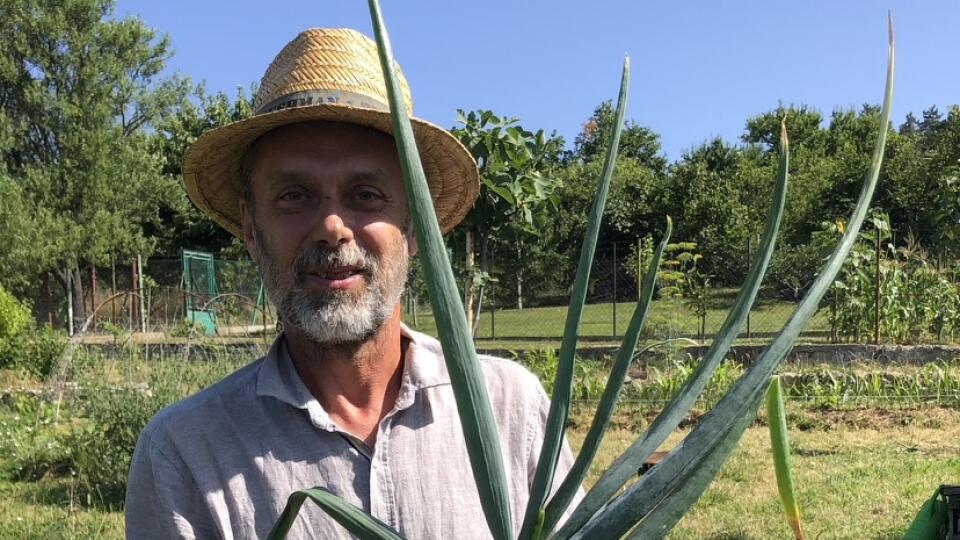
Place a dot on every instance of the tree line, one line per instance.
(92, 135)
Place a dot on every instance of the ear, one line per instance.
(249, 234)
(412, 247)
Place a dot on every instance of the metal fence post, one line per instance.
(749, 263)
(639, 268)
(141, 305)
(493, 318)
(614, 289)
(69, 302)
(876, 296)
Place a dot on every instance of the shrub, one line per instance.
(103, 447)
(14, 321)
(114, 415)
(38, 352)
(793, 269)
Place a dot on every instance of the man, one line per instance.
(347, 398)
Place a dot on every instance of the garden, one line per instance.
(869, 442)
(568, 264)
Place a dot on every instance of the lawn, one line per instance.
(859, 474)
(668, 318)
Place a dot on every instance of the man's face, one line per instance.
(328, 228)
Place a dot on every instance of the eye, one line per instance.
(368, 196)
(291, 196)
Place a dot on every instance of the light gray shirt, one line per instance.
(221, 463)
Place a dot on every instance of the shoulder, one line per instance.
(506, 379)
(509, 373)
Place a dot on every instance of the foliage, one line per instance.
(793, 270)
(923, 195)
(38, 351)
(708, 200)
(14, 320)
(102, 448)
(181, 225)
(780, 448)
(22, 346)
(637, 143)
(81, 90)
(681, 276)
(517, 194)
(916, 299)
(794, 267)
(514, 165)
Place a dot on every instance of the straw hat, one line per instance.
(332, 75)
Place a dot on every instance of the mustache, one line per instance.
(319, 259)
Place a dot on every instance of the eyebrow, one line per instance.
(296, 177)
(287, 177)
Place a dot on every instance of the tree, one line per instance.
(516, 189)
(710, 207)
(922, 191)
(636, 142)
(181, 224)
(80, 91)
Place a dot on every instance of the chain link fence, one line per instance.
(159, 297)
(890, 300)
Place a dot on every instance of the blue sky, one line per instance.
(699, 69)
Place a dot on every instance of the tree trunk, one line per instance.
(519, 278)
(484, 267)
(71, 277)
(468, 292)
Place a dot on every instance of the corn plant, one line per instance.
(651, 506)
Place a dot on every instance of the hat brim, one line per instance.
(211, 167)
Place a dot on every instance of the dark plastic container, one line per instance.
(952, 495)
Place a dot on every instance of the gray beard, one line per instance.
(331, 317)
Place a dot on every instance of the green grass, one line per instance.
(668, 318)
(863, 476)
(54, 508)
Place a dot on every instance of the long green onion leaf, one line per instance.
(780, 447)
(677, 482)
(659, 522)
(560, 401)
(625, 467)
(355, 520)
(611, 392)
(466, 378)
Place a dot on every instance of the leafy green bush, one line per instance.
(32, 444)
(103, 447)
(115, 414)
(37, 352)
(14, 321)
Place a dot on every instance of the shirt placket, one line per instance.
(383, 502)
(383, 495)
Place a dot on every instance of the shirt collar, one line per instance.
(423, 367)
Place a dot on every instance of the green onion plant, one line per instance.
(780, 447)
(651, 506)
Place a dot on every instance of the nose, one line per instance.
(331, 230)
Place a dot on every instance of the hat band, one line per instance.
(322, 97)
